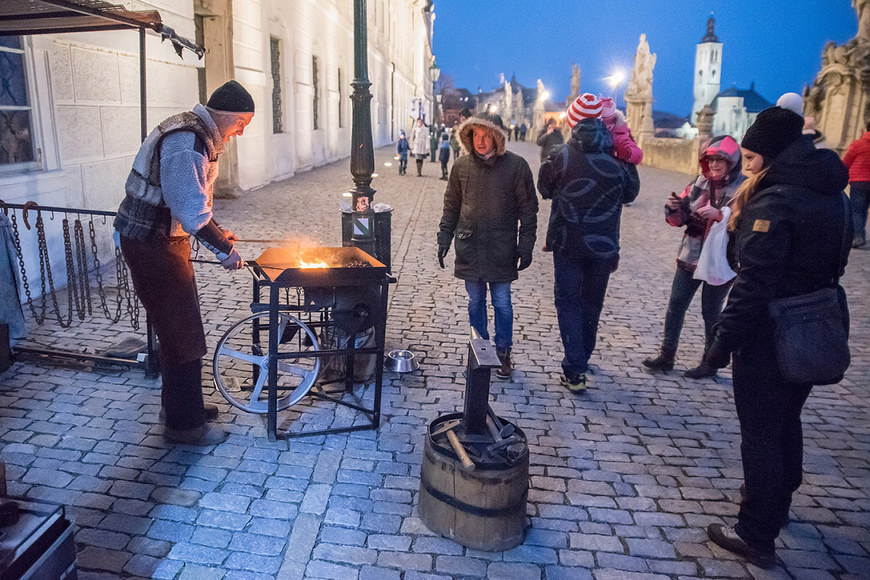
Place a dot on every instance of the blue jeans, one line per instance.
(500, 293)
(403, 162)
(859, 194)
(579, 290)
(682, 291)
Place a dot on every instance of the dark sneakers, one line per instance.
(726, 537)
(574, 384)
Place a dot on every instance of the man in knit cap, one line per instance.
(588, 186)
(491, 209)
(168, 199)
(549, 138)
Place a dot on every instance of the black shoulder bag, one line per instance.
(811, 332)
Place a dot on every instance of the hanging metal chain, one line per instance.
(16, 240)
(99, 277)
(132, 299)
(45, 272)
(71, 282)
(81, 255)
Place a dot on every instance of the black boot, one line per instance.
(506, 369)
(663, 362)
(701, 371)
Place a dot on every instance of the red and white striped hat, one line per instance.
(586, 106)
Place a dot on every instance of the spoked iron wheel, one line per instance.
(241, 362)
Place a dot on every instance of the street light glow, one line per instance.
(616, 78)
(545, 95)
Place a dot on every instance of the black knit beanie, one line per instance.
(231, 97)
(493, 118)
(772, 132)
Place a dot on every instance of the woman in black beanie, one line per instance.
(787, 227)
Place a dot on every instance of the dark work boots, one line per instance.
(506, 370)
(663, 362)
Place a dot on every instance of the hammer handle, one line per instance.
(493, 430)
(467, 463)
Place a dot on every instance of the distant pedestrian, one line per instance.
(402, 149)
(697, 208)
(857, 159)
(787, 227)
(420, 144)
(508, 131)
(523, 130)
(549, 138)
(444, 155)
(588, 186)
(516, 129)
(491, 210)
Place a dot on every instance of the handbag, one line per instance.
(811, 334)
(713, 265)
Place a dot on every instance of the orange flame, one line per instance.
(304, 264)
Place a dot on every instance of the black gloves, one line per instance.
(525, 260)
(442, 253)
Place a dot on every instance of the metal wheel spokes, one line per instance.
(241, 362)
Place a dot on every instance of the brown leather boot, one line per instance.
(506, 369)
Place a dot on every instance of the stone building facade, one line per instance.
(81, 91)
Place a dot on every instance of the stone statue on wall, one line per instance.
(862, 7)
(839, 98)
(640, 84)
(575, 82)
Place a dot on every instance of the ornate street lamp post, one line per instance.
(362, 154)
(434, 74)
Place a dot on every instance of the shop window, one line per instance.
(16, 114)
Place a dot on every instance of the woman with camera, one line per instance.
(698, 208)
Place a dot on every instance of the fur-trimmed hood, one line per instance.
(487, 121)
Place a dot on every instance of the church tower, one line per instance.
(708, 69)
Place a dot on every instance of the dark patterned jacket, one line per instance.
(588, 186)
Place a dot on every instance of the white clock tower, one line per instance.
(708, 69)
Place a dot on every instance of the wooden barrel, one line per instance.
(484, 509)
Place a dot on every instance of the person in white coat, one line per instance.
(420, 144)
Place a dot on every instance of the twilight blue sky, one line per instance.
(775, 43)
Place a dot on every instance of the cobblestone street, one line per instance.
(624, 477)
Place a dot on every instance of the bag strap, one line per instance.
(844, 246)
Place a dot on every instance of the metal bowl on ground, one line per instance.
(401, 361)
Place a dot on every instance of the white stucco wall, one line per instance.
(85, 92)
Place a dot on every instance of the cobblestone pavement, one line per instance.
(624, 478)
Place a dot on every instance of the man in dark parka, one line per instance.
(491, 208)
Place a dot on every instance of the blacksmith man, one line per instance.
(169, 198)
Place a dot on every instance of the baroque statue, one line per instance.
(640, 84)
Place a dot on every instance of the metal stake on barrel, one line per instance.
(474, 474)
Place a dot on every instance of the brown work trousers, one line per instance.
(164, 281)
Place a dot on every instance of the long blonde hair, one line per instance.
(744, 193)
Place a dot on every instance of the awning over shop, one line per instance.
(26, 17)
